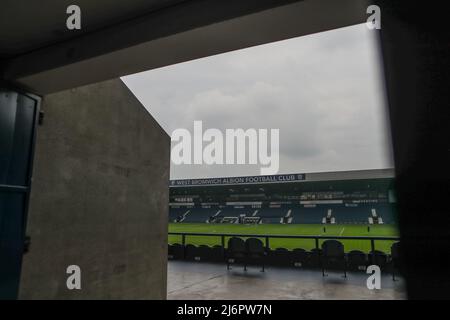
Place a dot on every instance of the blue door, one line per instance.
(18, 114)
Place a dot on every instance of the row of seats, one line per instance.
(176, 213)
(313, 215)
(272, 212)
(193, 215)
(343, 214)
(200, 215)
(271, 219)
(354, 260)
(304, 215)
(351, 214)
(235, 212)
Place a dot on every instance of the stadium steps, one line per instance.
(184, 216)
(198, 215)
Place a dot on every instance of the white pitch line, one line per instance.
(343, 228)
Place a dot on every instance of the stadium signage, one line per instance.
(238, 180)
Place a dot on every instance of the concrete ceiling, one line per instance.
(28, 25)
(123, 37)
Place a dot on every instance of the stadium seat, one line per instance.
(192, 252)
(236, 252)
(256, 251)
(170, 252)
(271, 257)
(204, 253)
(177, 251)
(378, 258)
(232, 215)
(217, 253)
(175, 213)
(351, 214)
(306, 215)
(298, 257)
(198, 215)
(279, 257)
(333, 255)
(313, 260)
(272, 215)
(395, 259)
(357, 260)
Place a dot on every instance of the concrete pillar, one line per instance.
(99, 198)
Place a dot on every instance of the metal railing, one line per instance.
(316, 238)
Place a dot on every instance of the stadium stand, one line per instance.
(347, 197)
(339, 214)
(340, 198)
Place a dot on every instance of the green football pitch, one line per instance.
(293, 229)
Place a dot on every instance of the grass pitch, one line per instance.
(290, 229)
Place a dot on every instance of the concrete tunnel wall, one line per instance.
(99, 198)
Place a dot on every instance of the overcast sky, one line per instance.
(323, 91)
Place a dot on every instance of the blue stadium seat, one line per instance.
(387, 213)
(199, 215)
(308, 215)
(272, 215)
(236, 212)
(351, 215)
(175, 213)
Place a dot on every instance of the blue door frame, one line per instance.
(19, 114)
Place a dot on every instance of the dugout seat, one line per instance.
(170, 252)
(395, 259)
(313, 260)
(378, 258)
(279, 257)
(204, 253)
(298, 258)
(191, 252)
(177, 251)
(255, 251)
(217, 253)
(357, 260)
(236, 252)
(333, 256)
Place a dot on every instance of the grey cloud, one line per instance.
(322, 91)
